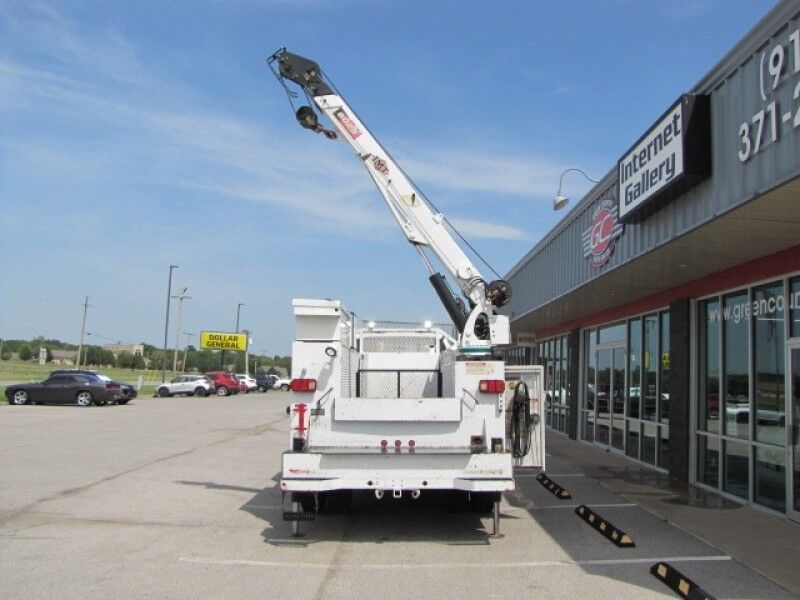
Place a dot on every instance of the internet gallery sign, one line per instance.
(674, 155)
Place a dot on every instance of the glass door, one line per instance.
(610, 397)
(618, 398)
(793, 428)
(602, 397)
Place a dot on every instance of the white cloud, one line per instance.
(481, 229)
(476, 171)
(152, 127)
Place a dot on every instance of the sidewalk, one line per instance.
(766, 543)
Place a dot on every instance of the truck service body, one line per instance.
(405, 420)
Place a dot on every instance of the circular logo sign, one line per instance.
(599, 239)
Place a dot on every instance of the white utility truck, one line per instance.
(395, 410)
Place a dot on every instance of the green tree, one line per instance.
(49, 354)
(25, 352)
(5, 356)
(125, 360)
(138, 362)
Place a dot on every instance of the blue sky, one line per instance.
(140, 134)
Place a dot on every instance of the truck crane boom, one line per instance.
(482, 328)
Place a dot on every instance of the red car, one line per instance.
(225, 382)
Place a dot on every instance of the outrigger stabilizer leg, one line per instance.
(297, 514)
(496, 521)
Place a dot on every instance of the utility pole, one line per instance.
(83, 330)
(247, 353)
(238, 311)
(180, 298)
(166, 325)
(186, 349)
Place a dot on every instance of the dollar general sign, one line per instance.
(220, 340)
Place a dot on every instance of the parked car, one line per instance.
(282, 384)
(249, 382)
(265, 381)
(190, 385)
(80, 389)
(128, 392)
(224, 382)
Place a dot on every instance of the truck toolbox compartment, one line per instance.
(397, 409)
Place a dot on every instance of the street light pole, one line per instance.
(83, 331)
(247, 352)
(166, 325)
(180, 298)
(186, 349)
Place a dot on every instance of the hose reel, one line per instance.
(521, 421)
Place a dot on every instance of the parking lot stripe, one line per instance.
(469, 565)
(572, 506)
(523, 475)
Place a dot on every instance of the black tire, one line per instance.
(122, 402)
(482, 502)
(163, 392)
(284, 387)
(200, 391)
(85, 398)
(261, 389)
(20, 398)
(223, 391)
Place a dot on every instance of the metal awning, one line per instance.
(763, 226)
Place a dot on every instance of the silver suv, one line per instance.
(191, 385)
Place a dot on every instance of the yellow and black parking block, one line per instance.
(678, 582)
(552, 487)
(619, 537)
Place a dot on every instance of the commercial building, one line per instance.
(666, 304)
(115, 349)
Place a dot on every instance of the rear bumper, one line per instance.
(311, 472)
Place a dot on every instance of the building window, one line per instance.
(632, 443)
(736, 377)
(587, 420)
(794, 304)
(708, 397)
(770, 473)
(741, 354)
(634, 367)
(565, 367)
(553, 355)
(649, 433)
(736, 477)
(625, 381)
(665, 366)
(708, 460)
(612, 333)
(650, 367)
(768, 364)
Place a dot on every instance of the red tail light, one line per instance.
(492, 386)
(304, 385)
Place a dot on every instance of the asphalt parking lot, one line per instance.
(178, 498)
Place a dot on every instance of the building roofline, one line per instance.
(733, 59)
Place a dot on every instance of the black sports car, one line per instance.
(77, 389)
(128, 392)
